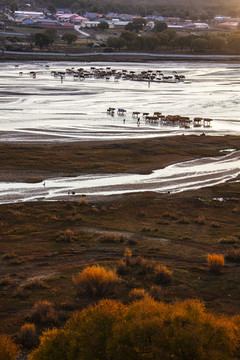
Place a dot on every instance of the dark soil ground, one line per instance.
(43, 244)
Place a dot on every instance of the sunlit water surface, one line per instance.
(44, 108)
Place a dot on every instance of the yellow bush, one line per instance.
(54, 345)
(145, 329)
(137, 294)
(96, 281)
(215, 263)
(127, 256)
(162, 274)
(8, 350)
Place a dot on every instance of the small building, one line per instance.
(29, 14)
(92, 16)
(90, 24)
(196, 25)
(120, 24)
(79, 19)
(229, 25)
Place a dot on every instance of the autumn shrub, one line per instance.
(122, 268)
(6, 282)
(8, 350)
(96, 282)
(43, 312)
(85, 335)
(233, 255)
(156, 292)
(228, 240)
(170, 215)
(201, 220)
(137, 294)
(111, 237)
(54, 345)
(145, 265)
(144, 329)
(215, 263)
(127, 256)
(35, 283)
(65, 236)
(162, 275)
(28, 335)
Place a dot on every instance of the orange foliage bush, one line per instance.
(96, 281)
(215, 263)
(8, 350)
(145, 329)
(137, 294)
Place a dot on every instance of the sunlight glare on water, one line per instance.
(76, 110)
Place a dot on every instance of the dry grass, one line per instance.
(111, 237)
(96, 282)
(28, 335)
(9, 255)
(137, 294)
(65, 236)
(128, 256)
(156, 292)
(122, 268)
(162, 275)
(44, 313)
(228, 240)
(233, 255)
(201, 220)
(215, 263)
(6, 282)
(145, 265)
(34, 284)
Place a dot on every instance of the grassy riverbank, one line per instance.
(43, 244)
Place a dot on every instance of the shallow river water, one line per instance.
(48, 109)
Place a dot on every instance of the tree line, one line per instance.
(169, 40)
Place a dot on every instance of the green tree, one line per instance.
(115, 42)
(200, 44)
(159, 26)
(234, 42)
(52, 9)
(13, 7)
(69, 38)
(41, 40)
(52, 34)
(103, 25)
(136, 25)
(151, 42)
(218, 43)
(127, 36)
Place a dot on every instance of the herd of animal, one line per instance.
(109, 73)
(159, 118)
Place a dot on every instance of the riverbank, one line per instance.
(113, 57)
(22, 161)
